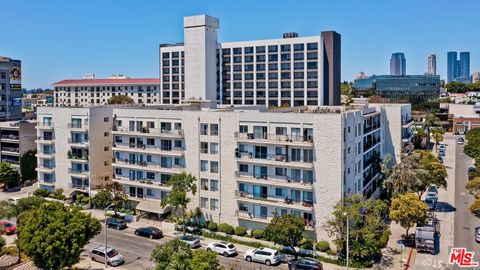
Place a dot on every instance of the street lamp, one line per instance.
(106, 232)
(348, 236)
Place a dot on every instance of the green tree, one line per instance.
(286, 230)
(120, 99)
(456, 87)
(53, 235)
(180, 184)
(437, 134)
(26, 204)
(204, 260)
(430, 121)
(408, 210)
(7, 210)
(367, 224)
(9, 177)
(420, 138)
(473, 186)
(113, 193)
(174, 255)
(472, 148)
(28, 165)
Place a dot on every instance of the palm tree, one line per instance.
(9, 177)
(437, 134)
(431, 121)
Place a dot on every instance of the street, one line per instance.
(136, 252)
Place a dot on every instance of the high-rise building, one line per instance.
(10, 89)
(293, 70)
(249, 163)
(458, 70)
(432, 64)
(475, 77)
(398, 64)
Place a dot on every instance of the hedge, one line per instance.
(257, 234)
(230, 239)
(322, 246)
(240, 230)
(383, 241)
(306, 243)
(226, 228)
(212, 226)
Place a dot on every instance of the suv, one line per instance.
(114, 258)
(190, 240)
(264, 255)
(305, 263)
(431, 200)
(116, 223)
(224, 248)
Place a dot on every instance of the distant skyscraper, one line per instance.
(452, 66)
(475, 77)
(432, 64)
(398, 64)
(464, 65)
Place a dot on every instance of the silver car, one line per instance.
(114, 258)
(192, 241)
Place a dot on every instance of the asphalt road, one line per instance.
(136, 252)
(465, 222)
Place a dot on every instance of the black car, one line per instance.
(116, 223)
(150, 232)
(305, 263)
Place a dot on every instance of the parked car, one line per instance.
(441, 153)
(471, 169)
(192, 241)
(477, 234)
(13, 200)
(460, 141)
(432, 190)
(285, 257)
(8, 227)
(431, 201)
(442, 146)
(149, 232)
(264, 255)
(224, 248)
(116, 223)
(305, 263)
(114, 258)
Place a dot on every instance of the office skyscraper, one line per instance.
(458, 70)
(398, 64)
(432, 64)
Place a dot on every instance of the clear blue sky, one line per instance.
(64, 39)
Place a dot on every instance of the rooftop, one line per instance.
(112, 81)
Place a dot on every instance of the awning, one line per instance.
(153, 207)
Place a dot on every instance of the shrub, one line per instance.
(257, 234)
(323, 246)
(383, 241)
(226, 228)
(41, 193)
(2, 242)
(57, 194)
(306, 243)
(240, 230)
(212, 226)
(331, 252)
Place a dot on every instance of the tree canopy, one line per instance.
(9, 177)
(28, 164)
(120, 99)
(286, 230)
(113, 193)
(408, 210)
(53, 235)
(367, 224)
(437, 134)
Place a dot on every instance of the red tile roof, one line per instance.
(95, 82)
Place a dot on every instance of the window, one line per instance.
(213, 148)
(106, 148)
(273, 48)
(150, 141)
(150, 175)
(204, 203)
(243, 129)
(106, 134)
(178, 144)
(285, 48)
(204, 184)
(105, 119)
(204, 147)
(203, 129)
(204, 165)
(280, 192)
(166, 162)
(213, 204)
(308, 176)
(214, 129)
(280, 172)
(243, 167)
(214, 166)
(213, 185)
(150, 193)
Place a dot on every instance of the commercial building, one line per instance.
(432, 64)
(462, 124)
(89, 91)
(291, 71)
(475, 77)
(458, 70)
(249, 161)
(16, 138)
(398, 64)
(409, 88)
(10, 89)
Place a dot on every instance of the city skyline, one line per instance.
(130, 47)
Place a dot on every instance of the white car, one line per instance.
(224, 248)
(264, 255)
(114, 258)
(13, 200)
(192, 241)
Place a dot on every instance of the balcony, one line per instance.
(10, 137)
(43, 154)
(407, 136)
(11, 150)
(264, 199)
(275, 139)
(77, 127)
(407, 123)
(167, 133)
(148, 149)
(148, 166)
(45, 140)
(79, 173)
(47, 182)
(78, 186)
(275, 180)
(77, 157)
(373, 126)
(278, 160)
(369, 144)
(78, 143)
(253, 217)
(144, 182)
(45, 169)
(45, 126)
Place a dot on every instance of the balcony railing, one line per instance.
(11, 149)
(10, 137)
(83, 142)
(281, 158)
(371, 127)
(78, 186)
(11, 161)
(277, 178)
(148, 164)
(46, 125)
(47, 167)
(157, 131)
(370, 143)
(407, 121)
(82, 172)
(147, 147)
(142, 180)
(77, 126)
(47, 138)
(264, 197)
(274, 137)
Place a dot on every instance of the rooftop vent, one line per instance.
(290, 35)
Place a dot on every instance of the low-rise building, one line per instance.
(16, 138)
(250, 162)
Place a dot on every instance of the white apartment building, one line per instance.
(74, 148)
(88, 91)
(291, 71)
(249, 162)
